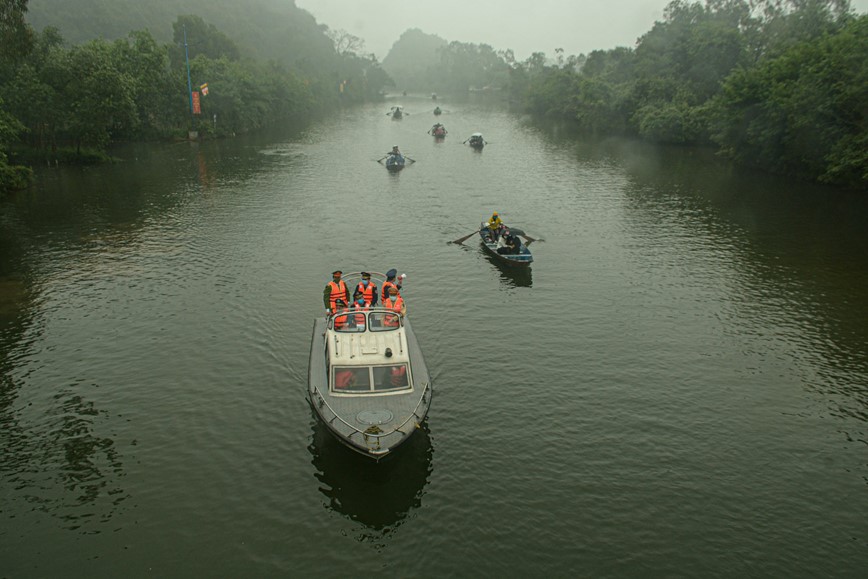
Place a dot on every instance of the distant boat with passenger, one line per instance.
(476, 141)
(438, 131)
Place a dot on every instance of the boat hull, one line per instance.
(395, 163)
(523, 259)
(402, 414)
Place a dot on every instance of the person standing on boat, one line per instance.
(494, 225)
(390, 282)
(335, 289)
(368, 289)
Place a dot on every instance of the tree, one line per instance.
(345, 43)
(200, 38)
(100, 95)
(804, 112)
(16, 37)
(11, 176)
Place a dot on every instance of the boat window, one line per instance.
(357, 380)
(384, 321)
(391, 377)
(351, 379)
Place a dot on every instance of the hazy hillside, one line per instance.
(413, 58)
(263, 29)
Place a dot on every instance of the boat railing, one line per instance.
(368, 433)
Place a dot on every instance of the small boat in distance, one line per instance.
(367, 380)
(438, 131)
(437, 111)
(476, 141)
(395, 162)
(396, 112)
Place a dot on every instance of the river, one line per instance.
(678, 387)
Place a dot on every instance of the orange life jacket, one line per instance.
(337, 291)
(384, 292)
(367, 291)
(396, 307)
(344, 379)
(399, 375)
(341, 321)
(359, 316)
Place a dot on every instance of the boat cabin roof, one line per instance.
(374, 336)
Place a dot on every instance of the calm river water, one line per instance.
(677, 388)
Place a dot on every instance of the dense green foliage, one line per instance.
(113, 84)
(780, 84)
(803, 112)
(262, 29)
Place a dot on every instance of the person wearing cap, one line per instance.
(396, 304)
(494, 225)
(390, 282)
(395, 151)
(335, 289)
(368, 289)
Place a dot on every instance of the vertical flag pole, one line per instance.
(189, 84)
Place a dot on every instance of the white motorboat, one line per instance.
(367, 379)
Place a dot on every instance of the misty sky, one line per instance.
(526, 26)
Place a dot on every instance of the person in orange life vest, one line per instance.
(342, 320)
(368, 289)
(359, 306)
(345, 379)
(395, 303)
(390, 282)
(398, 376)
(333, 290)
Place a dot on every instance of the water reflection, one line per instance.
(63, 468)
(511, 276)
(378, 495)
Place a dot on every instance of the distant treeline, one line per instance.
(69, 103)
(778, 84)
(781, 85)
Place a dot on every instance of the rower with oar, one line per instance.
(495, 225)
(395, 152)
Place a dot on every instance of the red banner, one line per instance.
(197, 110)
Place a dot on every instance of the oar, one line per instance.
(382, 159)
(461, 240)
(518, 231)
(409, 159)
